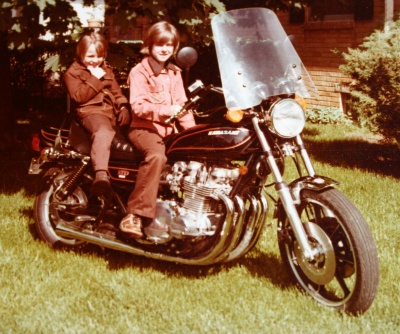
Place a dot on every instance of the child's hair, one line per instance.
(160, 32)
(86, 40)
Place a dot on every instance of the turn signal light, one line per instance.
(234, 115)
(243, 170)
(301, 101)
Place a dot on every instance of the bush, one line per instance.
(375, 91)
(326, 115)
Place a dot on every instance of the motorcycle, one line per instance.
(222, 176)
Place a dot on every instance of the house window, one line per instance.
(331, 10)
(324, 12)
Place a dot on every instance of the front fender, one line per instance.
(315, 182)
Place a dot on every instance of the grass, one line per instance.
(48, 291)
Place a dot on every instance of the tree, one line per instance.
(20, 29)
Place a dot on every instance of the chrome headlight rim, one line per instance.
(287, 118)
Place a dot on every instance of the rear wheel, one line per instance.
(344, 274)
(49, 212)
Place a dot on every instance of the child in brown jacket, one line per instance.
(98, 101)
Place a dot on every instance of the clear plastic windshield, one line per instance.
(256, 58)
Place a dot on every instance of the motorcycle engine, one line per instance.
(197, 186)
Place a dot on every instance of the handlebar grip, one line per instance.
(170, 118)
(184, 109)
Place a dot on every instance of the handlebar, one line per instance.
(198, 91)
(188, 105)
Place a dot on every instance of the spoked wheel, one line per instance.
(49, 211)
(344, 274)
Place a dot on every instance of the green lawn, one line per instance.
(48, 291)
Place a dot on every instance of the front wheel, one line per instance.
(345, 274)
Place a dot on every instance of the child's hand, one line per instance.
(124, 117)
(98, 72)
(175, 109)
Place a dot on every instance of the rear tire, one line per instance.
(345, 275)
(48, 211)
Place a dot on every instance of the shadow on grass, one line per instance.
(259, 264)
(379, 158)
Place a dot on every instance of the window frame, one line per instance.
(363, 10)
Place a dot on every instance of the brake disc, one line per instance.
(321, 270)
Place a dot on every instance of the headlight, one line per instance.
(287, 117)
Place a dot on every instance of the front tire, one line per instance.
(345, 274)
(48, 212)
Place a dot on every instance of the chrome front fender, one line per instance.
(315, 182)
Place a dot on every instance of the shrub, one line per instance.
(375, 91)
(326, 115)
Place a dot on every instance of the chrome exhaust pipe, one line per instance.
(209, 258)
(259, 210)
(237, 229)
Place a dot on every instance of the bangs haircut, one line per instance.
(164, 38)
(161, 32)
(97, 39)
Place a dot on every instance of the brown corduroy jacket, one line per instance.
(91, 95)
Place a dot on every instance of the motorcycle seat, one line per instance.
(121, 149)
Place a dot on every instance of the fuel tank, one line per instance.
(211, 141)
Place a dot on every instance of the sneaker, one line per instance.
(132, 224)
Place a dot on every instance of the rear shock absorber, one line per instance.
(72, 181)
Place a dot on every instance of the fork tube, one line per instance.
(284, 194)
(305, 156)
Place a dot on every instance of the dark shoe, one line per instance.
(101, 186)
(132, 224)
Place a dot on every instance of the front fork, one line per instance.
(284, 193)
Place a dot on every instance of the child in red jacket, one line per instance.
(156, 92)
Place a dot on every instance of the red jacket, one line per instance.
(153, 90)
(89, 94)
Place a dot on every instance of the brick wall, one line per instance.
(315, 44)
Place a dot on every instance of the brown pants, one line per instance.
(142, 200)
(100, 127)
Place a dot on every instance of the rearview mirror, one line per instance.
(186, 57)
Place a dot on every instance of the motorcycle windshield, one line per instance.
(256, 58)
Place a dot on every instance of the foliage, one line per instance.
(192, 17)
(375, 68)
(25, 28)
(29, 81)
(326, 115)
